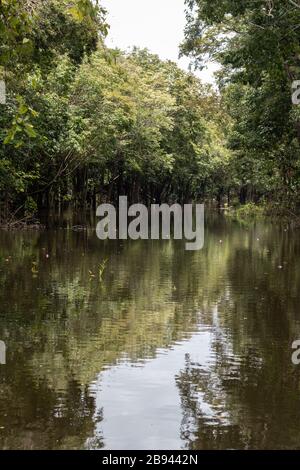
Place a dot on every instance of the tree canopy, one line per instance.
(257, 44)
(84, 122)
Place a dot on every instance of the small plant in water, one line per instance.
(101, 269)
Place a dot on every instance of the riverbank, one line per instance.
(22, 225)
(255, 211)
(80, 220)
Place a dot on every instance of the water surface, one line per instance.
(168, 349)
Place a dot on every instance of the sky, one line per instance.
(155, 24)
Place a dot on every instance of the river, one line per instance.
(164, 349)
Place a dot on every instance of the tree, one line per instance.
(257, 44)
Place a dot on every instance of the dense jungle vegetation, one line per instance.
(257, 43)
(84, 123)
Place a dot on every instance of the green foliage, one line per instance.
(83, 122)
(15, 28)
(41, 44)
(30, 207)
(257, 44)
(249, 210)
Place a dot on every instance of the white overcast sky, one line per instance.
(155, 24)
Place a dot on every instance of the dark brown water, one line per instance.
(168, 349)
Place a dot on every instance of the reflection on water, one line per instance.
(170, 349)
